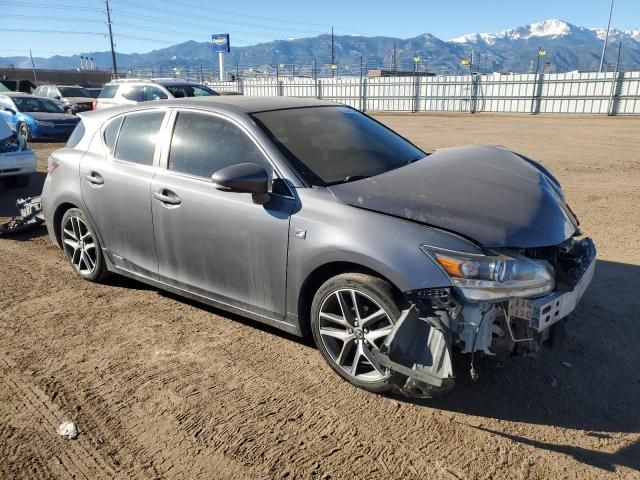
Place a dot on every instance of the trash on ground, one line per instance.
(68, 430)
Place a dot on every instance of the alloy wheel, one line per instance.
(351, 326)
(79, 245)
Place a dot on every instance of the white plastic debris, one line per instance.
(68, 430)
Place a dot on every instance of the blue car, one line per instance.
(36, 118)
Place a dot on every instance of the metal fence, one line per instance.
(613, 93)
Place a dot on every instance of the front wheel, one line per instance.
(81, 246)
(351, 316)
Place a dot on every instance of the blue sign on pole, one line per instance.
(221, 43)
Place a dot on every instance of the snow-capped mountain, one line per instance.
(569, 47)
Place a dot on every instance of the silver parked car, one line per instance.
(71, 98)
(315, 218)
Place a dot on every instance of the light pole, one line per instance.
(606, 38)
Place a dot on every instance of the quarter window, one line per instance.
(203, 144)
(137, 139)
(111, 133)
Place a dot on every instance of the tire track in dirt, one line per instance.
(222, 393)
(163, 388)
(74, 457)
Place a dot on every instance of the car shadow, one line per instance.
(9, 196)
(626, 456)
(591, 382)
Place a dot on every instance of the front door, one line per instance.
(116, 189)
(218, 244)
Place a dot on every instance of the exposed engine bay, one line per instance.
(442, 319)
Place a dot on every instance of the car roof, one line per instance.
(171, 81)
(236, 103)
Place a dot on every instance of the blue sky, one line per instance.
(144, 25)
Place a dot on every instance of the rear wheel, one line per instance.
(351, 316)
(81, 246)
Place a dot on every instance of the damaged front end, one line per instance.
(505, 303)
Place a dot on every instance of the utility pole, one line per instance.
(606, 38)
(395, 58)
(113, 52)
(333, 57)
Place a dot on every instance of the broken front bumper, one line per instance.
(419, 347)
(543, 312)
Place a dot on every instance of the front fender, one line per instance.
(325, 231)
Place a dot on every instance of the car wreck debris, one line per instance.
(30, 217)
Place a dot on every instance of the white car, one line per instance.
(17, 161)
(130, 91)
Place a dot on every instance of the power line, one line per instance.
(73, 32)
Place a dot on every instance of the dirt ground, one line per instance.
(161, 387)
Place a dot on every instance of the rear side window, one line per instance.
(133, 93)
(203, 144)
(137, 139)
(108, 91)
(76, 135)
(111, 133)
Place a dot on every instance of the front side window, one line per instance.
(203, 144)
(136, 141)
(330, 145)
(155, 93)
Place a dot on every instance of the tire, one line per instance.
(373, 296)
(24, 129)
(82, 247)
(16, 181)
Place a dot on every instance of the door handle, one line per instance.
(94, 178)
(167, 197)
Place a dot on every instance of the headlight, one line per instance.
(45, 124)
(496, 276)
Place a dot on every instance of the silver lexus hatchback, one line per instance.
(316, 219)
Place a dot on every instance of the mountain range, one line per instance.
(569, 47)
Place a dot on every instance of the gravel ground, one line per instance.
(161, 387)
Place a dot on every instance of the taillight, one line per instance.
(52, 164)
(94, 104)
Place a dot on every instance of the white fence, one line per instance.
(613, 93)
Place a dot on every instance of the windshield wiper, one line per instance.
(350, 178)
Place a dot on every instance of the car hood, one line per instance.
(52, 117)
(486, 193)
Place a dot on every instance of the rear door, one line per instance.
(116, 188)
(219, 244)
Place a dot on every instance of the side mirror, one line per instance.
(57, 97)
(10, 110)
(244, 178)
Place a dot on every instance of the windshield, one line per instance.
(329, 145)
(181, 91)
(74, 92)
(32, 104)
